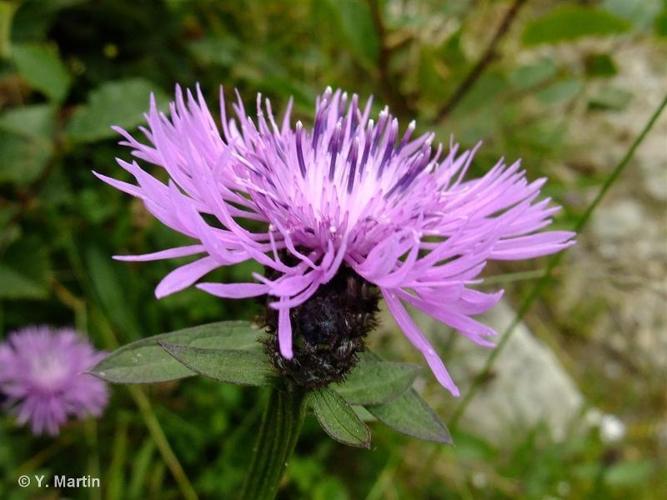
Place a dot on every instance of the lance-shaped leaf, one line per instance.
(338, 419)
(570, 22)
(410, 415)
(225, 365)
(364, 414)
(145, 361)
(374, 381)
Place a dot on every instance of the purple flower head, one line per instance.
(352, 191)
(42, 376)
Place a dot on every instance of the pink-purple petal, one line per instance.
(285, 333)
(418, 339)
(184, 276)
(171, 253)
(234, 290)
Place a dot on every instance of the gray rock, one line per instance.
(528, 386)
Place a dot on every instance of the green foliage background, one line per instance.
(72, 68)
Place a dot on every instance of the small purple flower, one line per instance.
(42, 375)
(352, 191)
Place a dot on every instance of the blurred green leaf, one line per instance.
(139, 469)
(600, 65)
(483, 94)
(263, 71)
(410, 415)
(24, 270)
(111, 291)
(330, 489)
(16, 286)
(115, 472)
(470, 447)
(42, 69)
(34, 17)
(427, 81)
(570, 22)
(661, 23)
(639, 12)
(374, 381)
(9, 231)
(357, 30)
(542, 136)
(338, 419)
(560, 91)
(629, 473)
(23, 158)
(122, 103)
(220, 51)
(452, 51)
(93, 207)
(29, 121)
(531, 75)
(7, 10)
(224, 365)
(145, 361)
(610, 99)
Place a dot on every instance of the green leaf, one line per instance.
(560, 91)
(610, 99)
(17, 286)
(532, 75)
(571, 22)
(225, 365)
(600, 65)
(23, 158)
(410, 415)
(641, 13)
(338, 418)
(374, 381)
(140, 466)
(120, 103)
(29, 121)
(486, 92)
(111, 292)
(215, 51)
(145, 361)
(357, 31)
(7, 10)
(24, 272)
(364, 414)
(660, 23)
(629, 474)
(42, 69)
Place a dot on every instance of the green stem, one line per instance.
(278, 434)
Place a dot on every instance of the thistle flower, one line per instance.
(42, 376)
(350, 196)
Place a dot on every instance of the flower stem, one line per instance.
(278, 434)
